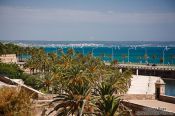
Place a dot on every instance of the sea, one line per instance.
(152, 52)
(122, 51)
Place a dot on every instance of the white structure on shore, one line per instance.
(141, 84)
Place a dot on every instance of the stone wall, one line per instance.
(138, 97)
(139, 110)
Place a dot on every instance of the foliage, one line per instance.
(84, 83)
(14, 102)
(32, 80)
(105, 88)
(73, 101)
(11, 70)
(78, 76)
(14, 72)
(161, 60)
(106, 100)
(108, 105)
(124, 56)
(9, 48)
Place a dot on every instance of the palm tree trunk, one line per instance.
(48, 88)
(81, 110)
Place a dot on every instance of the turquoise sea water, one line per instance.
(135, 50)
(136, 54)
(115, 49)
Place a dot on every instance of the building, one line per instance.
(8, 58)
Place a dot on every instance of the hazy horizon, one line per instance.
(96, 40)
(92, 20)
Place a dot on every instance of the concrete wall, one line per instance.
(138, 97)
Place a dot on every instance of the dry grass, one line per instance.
(14, 102)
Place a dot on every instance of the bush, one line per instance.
(33, 81)
(14, 72)
(14, 102)
(11, 70)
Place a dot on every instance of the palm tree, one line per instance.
(161, 60)
(52, 60)
(70, 52)
(47, 81)
(121, 81)
(102, 56)
(38, 61)
(154, 56)
(104, 88)
(31, 65)
(77, 75)
(140, 59)
(108, 106)
(114, 63)
(73, 101)
(124, 56)
(1, 48)
(4, 49)
(146, 58)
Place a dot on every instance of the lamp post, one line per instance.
(165, 49)
(128, 52)
(73, 49)
(113, 52)
(82, 49)
(59, 49)
(93, 51)
(146, 54)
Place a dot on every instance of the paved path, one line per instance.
(170, 107)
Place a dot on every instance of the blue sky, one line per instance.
(92, 20)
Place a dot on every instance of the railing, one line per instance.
(136, 66)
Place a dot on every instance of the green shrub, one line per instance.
(14, 72)
(33, 81)
(10, 70)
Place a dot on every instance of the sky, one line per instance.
(87, 20)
